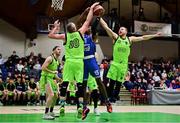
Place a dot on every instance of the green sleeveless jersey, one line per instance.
(52, 66)
(74, 47)
(121, 50)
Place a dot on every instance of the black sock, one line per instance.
(46, 110)
(51, 109)
(95, 96)
(84, 105)
(77, 102)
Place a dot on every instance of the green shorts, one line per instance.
(117, 71)
(10, 93)
(47, 79)
(73, 70)
(91, 82)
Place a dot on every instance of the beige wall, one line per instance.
(44, 45)
(11, 39)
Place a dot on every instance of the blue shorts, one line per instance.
(91, 66)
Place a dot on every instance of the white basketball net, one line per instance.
(57, 5)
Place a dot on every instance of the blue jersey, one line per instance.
(89, 45)
(90, 63)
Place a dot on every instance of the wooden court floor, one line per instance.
(121, 114)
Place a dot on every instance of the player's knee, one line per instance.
(51, 94)
(94, 94)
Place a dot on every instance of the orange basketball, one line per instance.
(98, 10)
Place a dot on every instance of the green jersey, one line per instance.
(53, 66)
(121, 50)
(74, 47)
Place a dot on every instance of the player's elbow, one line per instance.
(50, 35)
(43, 68)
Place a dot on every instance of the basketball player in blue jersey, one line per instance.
(91, 66)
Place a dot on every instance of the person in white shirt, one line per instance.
(157, 79)
(1, 60)
(20, 66)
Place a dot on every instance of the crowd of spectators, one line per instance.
(19, 77)
(149, 74)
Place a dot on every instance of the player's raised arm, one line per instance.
(111, 34)
(53, 33)
(86, 24)
(144, 37)
(82, 18)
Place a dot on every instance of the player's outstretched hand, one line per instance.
(95, 4)
(158, 34)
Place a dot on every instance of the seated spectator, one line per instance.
(3, 93)
(164, 74)
(128, 84)
(40, 58)
(20, 90)
(157, 79)
(32, 92)
(150, 85)
(11, 90)
(163, 85)
(26, 68)
(173, 84)
(20, 66)
(37, 70)
(1, 60)
(14, 57)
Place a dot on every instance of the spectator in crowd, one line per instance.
(163, 84)
(1, 60)
(157, 79)
(32, 92)
(20, 90)
(3, 93)
(37, 70)
(40, 58)
(14, 57)
(141, 15)
(31, 57)
(26, 68)
(20, 66)
(11, 90)
(128, 84)
(166, 18)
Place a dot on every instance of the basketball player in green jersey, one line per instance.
(121, 51)
(47, 84)
(74, 53)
